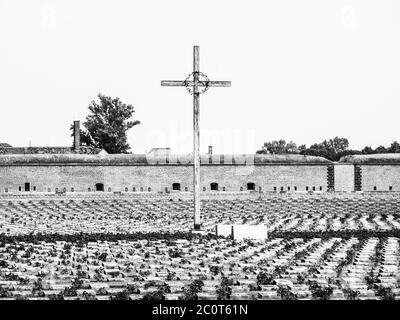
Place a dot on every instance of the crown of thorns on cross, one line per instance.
(203, 82)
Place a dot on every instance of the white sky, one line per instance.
(300, 70)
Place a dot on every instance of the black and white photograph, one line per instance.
(199, 157)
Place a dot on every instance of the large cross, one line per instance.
(196, 83)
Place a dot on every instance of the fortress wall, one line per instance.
(267, 177)
(157, 177)
(381, 176)
(344, 177)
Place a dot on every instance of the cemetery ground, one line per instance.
(119, 247)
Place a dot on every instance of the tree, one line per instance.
(331, 149)
(380, 149)
(394, 147)
(107, 125)
(337, 144)
(279, 147)
(367, 150)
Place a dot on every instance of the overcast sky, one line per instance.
(300, 70)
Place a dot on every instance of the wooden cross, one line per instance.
(194, 86)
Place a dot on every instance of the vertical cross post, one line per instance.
(196, 137)
(200, 80)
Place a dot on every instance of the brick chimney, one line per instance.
(77, 137)
(210, 150)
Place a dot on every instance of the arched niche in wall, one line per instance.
(214, 186)
(251, 186)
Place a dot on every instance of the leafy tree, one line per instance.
(367, 150)
(380, 149)
(107, 125)
(331, 149)
(394, 147)
(336, 144)
(279, 147)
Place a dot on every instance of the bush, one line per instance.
(320, 292)
(385, 293)
(3, 264)
(69, 292)
(191, 292)
(102, 291)
(224, 293)
(351, 294)
(122, 295)
(196, 285)
(133, 289)
(371, 280)
(102, 257)
(254, 287)
(215, 270)
(154, 295)
(88, 296)
(37, 289)
(175, 253)
(265, 278)
(224, 290)
(4, 293)
(301, 278)
(285, 293)
(53, 296)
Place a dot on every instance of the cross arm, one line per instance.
(219, 83)
(175, 83)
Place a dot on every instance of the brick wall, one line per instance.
(381, 177)
(158, 177)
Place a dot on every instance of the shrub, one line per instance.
(69, 292)
(133, 289)
(224, 291)
(37, 289)
(196, 285)
(301, 278)
(351, 294)
(285, 293)
(265, 278)
(371, 280)
(154, 295)
(171, 276)
(88, 296)
(215, 270)
(320, 292)
(385, 293)
(254, 287)
(3, 264)
(175, 253)
(4, 293)
(77, 283)
(102, 257)
(102, 291)
(53, 296)
(191, 292)
(121, 295)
